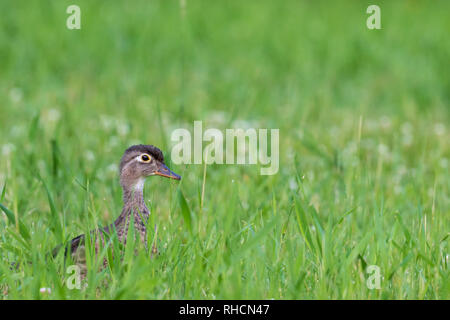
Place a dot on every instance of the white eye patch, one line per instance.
(144, 158)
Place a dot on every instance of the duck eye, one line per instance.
(146, 158)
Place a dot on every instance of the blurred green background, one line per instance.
(364, 144)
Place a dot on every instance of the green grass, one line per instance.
(364, 146)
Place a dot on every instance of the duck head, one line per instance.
(141, 161)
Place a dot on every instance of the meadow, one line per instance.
(364, 124)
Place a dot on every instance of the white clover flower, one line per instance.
(351, 148)
(45, 290)
(244, 124)
(407, 128)
(290, 153)
(113, 141)
(122, 129)
(293, 184)
(439, 129)
(385, 122)
(16, 95)
(354, 162)
(41, 165)
(398, 189)
(407, 134)
(106, 122)
(18, 130)
(333, 131)
(401, 171)
(51, 115)
(368, 143)
(407, 140)
(383, 150)
(217, 117)
(89, 155)
(7, 149)
(371, 125)
(112, 168)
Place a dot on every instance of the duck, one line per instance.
(137, 164)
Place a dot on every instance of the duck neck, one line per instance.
(133, 202)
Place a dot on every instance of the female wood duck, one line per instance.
(138, 163)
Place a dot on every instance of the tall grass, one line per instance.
(364, 147)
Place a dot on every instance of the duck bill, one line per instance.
(163, 171)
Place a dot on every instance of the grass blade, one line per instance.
(303, 225)
(56, 223)
(3, 192)
(22, 228)
(185, 210)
